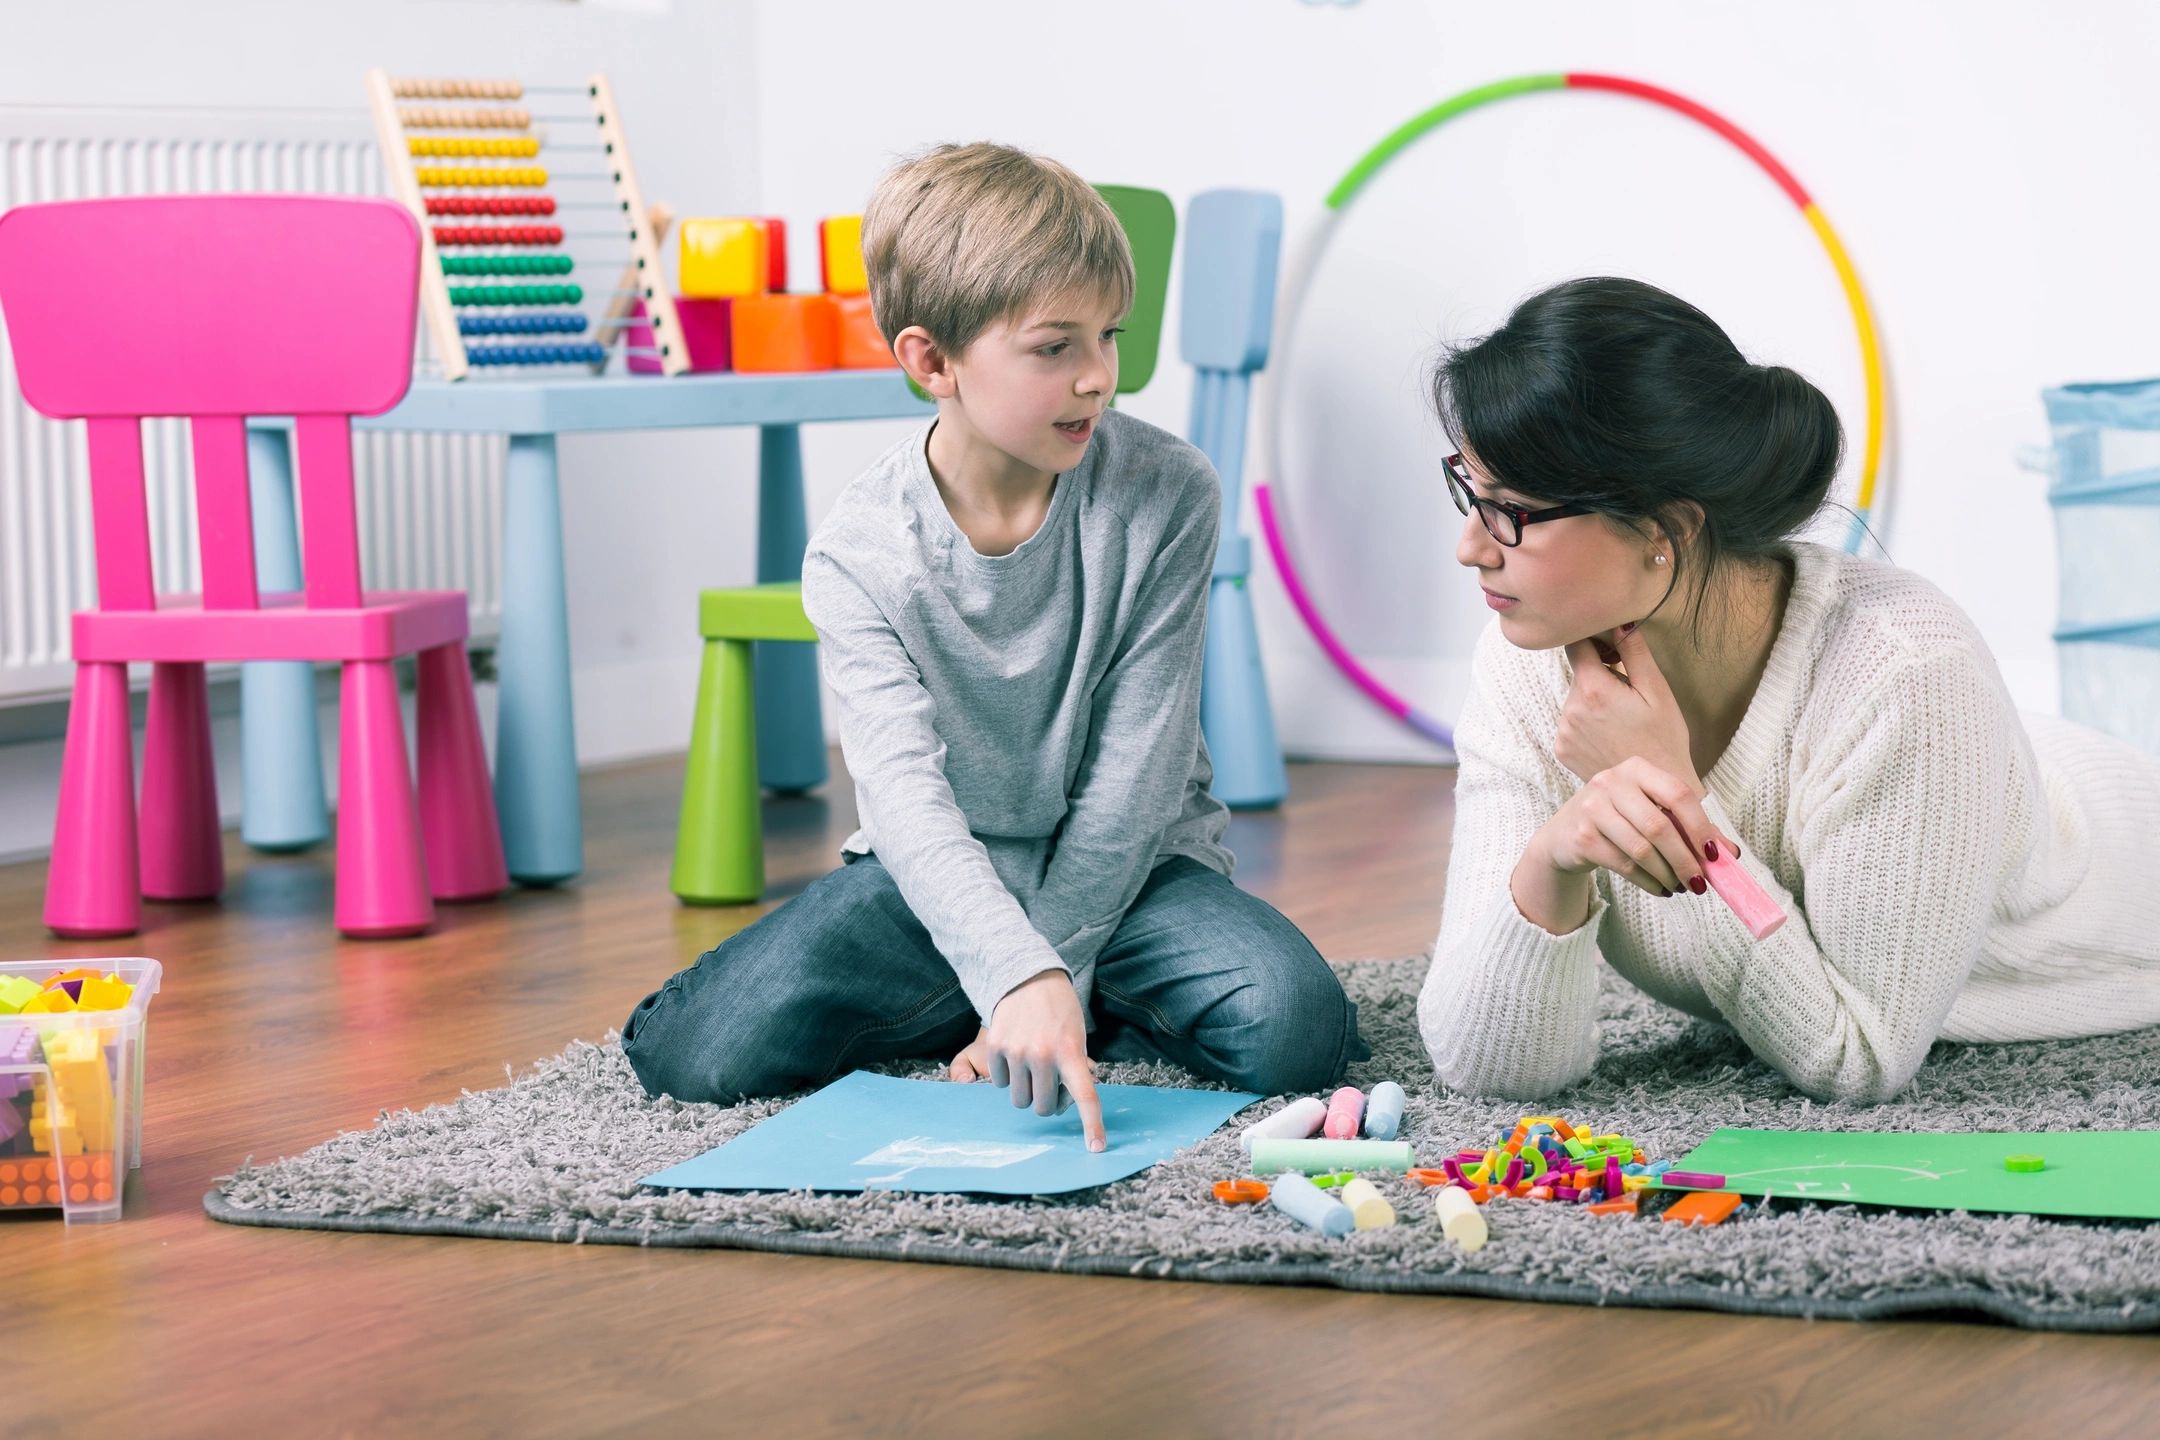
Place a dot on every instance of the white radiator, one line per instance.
(430, 505)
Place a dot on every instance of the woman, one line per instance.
(1672, 674)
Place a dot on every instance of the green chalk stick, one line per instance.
(1309, 1157)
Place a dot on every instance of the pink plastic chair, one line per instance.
(218, 307)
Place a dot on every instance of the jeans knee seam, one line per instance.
(1161, 1021)
(860, 1032)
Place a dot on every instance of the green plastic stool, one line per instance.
(720, 839)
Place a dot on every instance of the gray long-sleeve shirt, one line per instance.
(1024, 729)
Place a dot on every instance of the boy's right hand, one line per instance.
(1037, 1040)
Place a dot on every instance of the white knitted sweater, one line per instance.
(1948, 871)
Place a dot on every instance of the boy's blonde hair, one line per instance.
(963, 236)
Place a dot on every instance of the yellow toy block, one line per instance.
(724, 258)
(51, 1138)
(49, 1002)
(15, 992)
(840, 249)
(108, 993)
(84, 1086)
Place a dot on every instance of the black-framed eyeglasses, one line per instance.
(1502, 521)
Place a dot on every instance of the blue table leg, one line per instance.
(536, 781)
(282, 807)
(790, 727)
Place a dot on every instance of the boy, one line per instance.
(1010, 608)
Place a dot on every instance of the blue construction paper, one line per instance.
(876, 1132)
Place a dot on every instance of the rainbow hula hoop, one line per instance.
(1314, 245)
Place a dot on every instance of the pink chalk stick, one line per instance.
(1737, 888)
(1345, 1113)
(1755, 909)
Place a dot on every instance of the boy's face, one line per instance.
(1036, 383)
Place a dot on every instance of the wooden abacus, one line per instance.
(502, 222)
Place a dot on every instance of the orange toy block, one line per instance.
(35, 1180)
(862, 347)
(725, 257)
(786, 333)
(840, 257)
(1703, 1207)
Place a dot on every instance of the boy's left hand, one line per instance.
(972, 1063)
(1609, 717)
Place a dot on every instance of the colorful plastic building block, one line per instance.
(708, 328)
(38, 1181)
(107, 992)
(840, 257)
(16, 991)
(786, 333)
(862, 345)
(83, 1084)
(49, 1002)
(51, 1135)
(725, 257)
(1703, 1207)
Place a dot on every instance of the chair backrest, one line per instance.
(214, 307)
(1150, 222)
(1232, 241)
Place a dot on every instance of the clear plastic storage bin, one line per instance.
(2105, 460)
(71, 1089)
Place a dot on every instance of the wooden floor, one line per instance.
(271, 1034)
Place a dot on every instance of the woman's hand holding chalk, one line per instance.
(1749, 901)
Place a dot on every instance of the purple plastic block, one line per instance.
(1564, 1192)
(73, 988)
(1694, 1180)
(11, 1125)
(1612, 1175)
(18, 1046)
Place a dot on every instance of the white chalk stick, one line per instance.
(1296, 1121)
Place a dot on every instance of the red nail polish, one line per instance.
(1697, 885)
(1629, 628)
(1709, 849)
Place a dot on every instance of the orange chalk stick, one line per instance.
(1628, 1204)
(1704, 1207)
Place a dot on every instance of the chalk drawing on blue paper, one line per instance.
(919, 1152)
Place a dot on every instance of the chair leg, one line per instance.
(457, 804)
(93, 887)
(382, 887)
(719, 841)
(183, 854)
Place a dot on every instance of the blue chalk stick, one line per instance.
(1384, 1110)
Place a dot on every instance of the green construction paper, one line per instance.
(2097, 1173)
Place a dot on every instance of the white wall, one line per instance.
(1986, 165)
(647, 520)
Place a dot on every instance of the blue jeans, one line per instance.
(1199, 973)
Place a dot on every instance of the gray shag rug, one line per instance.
(556, 1154)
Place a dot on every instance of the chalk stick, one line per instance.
(1367, 1206)
(1308, 1204)
(1270, 1156)
(1295, 1121)
(1345, 1109)
(1748, 900)
(1383, 1111)
(1460, 1220)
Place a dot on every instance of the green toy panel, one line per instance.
(1150, 222)
(2112, 1173)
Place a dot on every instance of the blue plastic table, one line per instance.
(536, 791)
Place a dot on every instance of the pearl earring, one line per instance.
(1661, 559)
